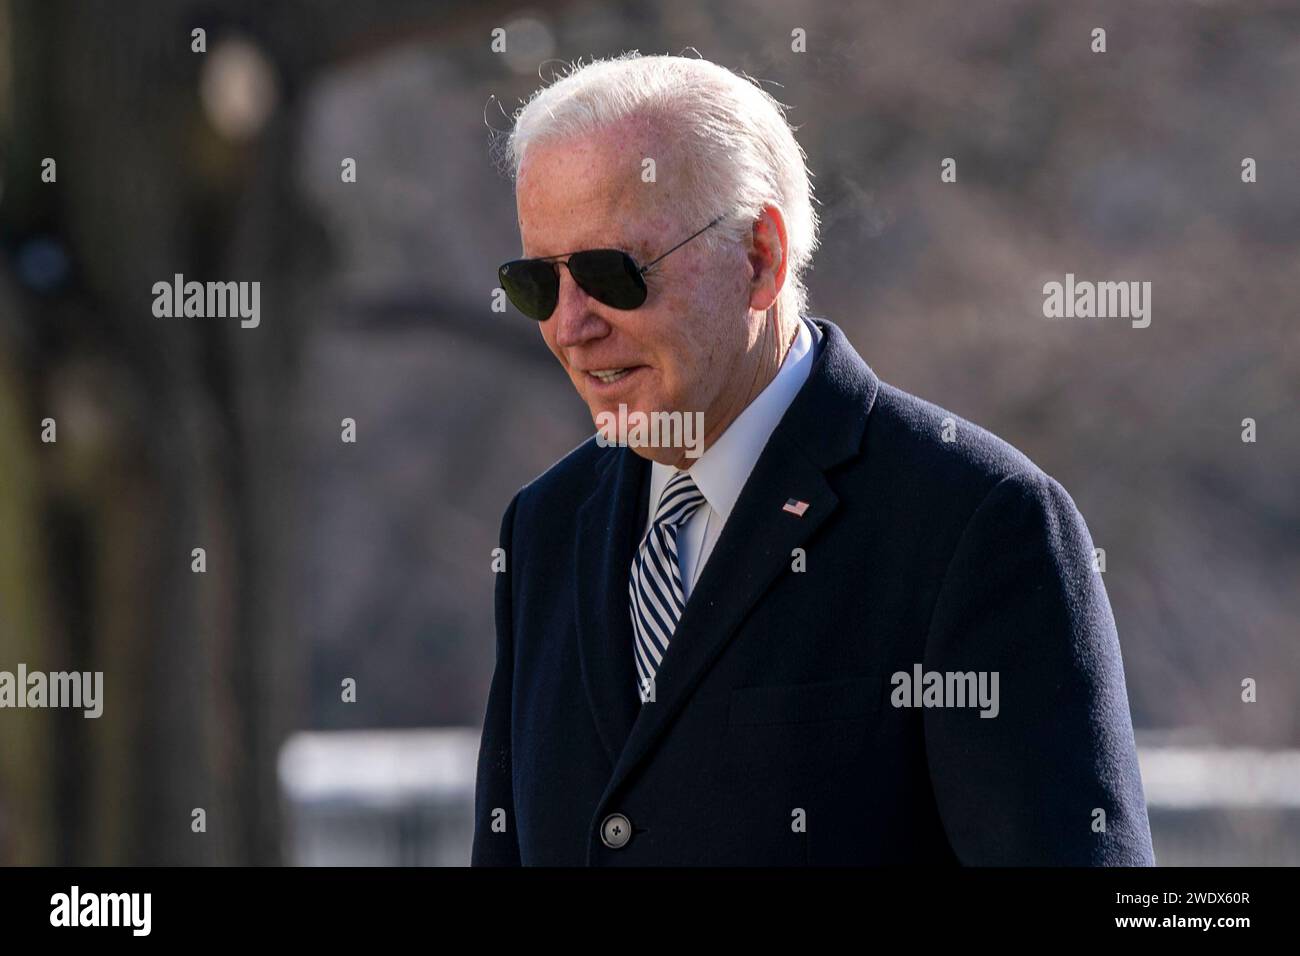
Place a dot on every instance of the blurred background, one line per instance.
(370, 561)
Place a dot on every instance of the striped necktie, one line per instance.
(655, 587)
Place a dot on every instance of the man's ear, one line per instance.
(767, 258)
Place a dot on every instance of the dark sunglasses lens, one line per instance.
(609, 276)
(532, 285)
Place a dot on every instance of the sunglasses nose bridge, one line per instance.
(571, 316)
(566, 277)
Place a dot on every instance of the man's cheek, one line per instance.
(666, 384)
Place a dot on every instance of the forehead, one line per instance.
(588, 192)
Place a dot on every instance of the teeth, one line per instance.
(608, 375)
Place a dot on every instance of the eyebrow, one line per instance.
(639, 249)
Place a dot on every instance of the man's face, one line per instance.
(689, 348)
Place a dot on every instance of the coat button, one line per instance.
(615, 831)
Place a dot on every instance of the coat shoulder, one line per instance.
(562, 488)
(932, 448)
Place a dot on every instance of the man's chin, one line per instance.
(654, 434)
(623, 421)
(673, 457)
(615, 420)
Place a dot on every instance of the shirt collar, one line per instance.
(722, 470)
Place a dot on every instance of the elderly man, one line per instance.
(844, 627)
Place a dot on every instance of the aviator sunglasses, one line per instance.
(610, 276)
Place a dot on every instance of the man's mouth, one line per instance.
(603, 377)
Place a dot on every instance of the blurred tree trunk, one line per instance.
(170, 437)
(26, 780)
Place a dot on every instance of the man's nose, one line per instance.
(575, 322)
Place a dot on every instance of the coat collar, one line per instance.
(822, 427)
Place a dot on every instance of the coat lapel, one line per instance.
(608, 526)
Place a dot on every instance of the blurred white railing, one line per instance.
(406, 797)
(379, 797)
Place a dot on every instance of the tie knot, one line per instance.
(679, 500)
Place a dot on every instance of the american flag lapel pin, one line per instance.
(796, 507)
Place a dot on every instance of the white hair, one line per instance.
(738, 151)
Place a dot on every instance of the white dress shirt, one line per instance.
(722, 470)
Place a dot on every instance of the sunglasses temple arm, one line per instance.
(682, 243)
